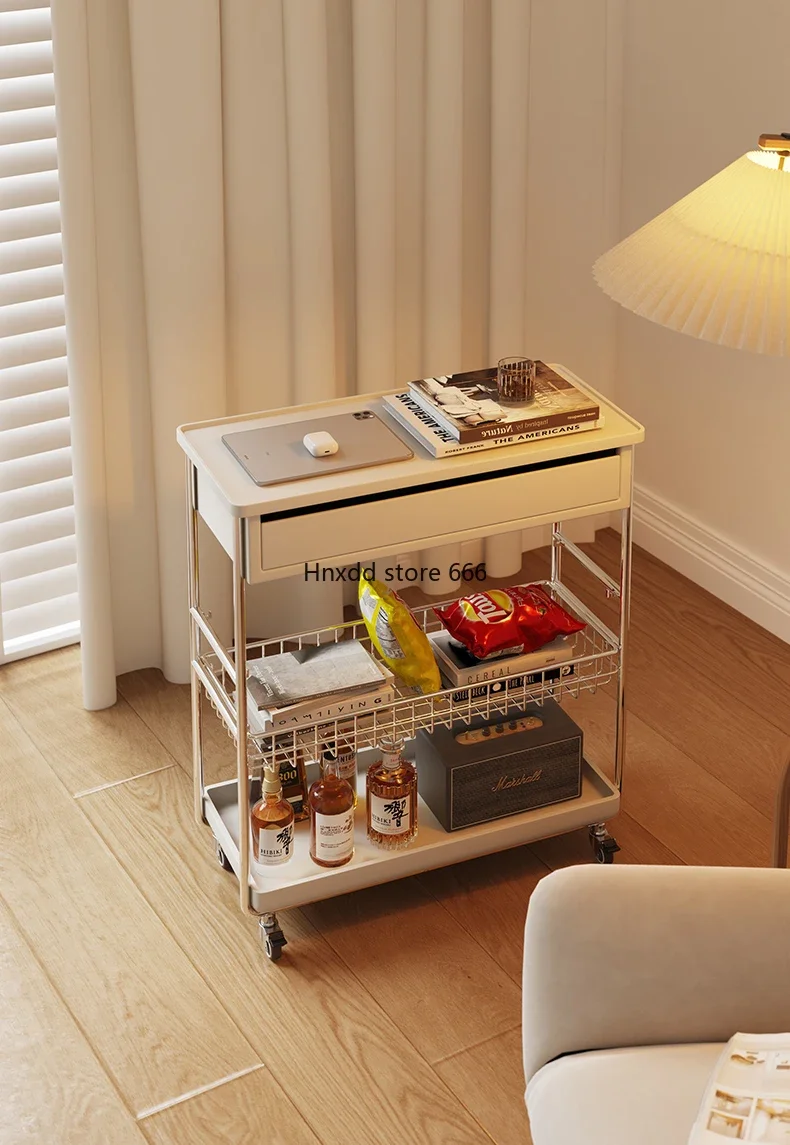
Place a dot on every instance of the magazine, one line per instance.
(467, 404)
(748, 1097)
(312, 672)
(317, 709)
(440, 442)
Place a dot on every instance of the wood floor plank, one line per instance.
(637, 846)
(401, 944)
(705, 719)
(747, 661)
(251, 1110)
(154, 1023)
(165, 710)
(670, 692)
(489, 1081)
(726, 737)
(489, 897)
(691, 812)
(41, 1102)
(84, 749)
(340, 1051)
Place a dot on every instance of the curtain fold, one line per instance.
(81, 288)
(297, 199)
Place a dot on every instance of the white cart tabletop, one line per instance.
(202, 443)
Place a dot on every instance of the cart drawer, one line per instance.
(283, 543)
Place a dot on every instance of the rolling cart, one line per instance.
(339, 519)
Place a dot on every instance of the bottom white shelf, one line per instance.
(301, 881)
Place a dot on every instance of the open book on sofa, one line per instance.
(748, 1097)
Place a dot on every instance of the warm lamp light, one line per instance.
(716, 265)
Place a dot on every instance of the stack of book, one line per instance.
(461, 413)
(314, 684)
(461, 669)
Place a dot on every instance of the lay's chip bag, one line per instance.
(507, 621)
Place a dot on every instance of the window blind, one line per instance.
(38, 573)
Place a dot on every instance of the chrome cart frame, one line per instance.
(214, 493)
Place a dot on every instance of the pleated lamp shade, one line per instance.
(715, 265)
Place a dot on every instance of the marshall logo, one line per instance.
(506, 781)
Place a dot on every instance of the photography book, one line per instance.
(440, 442)
(467, 404)
(318, 710)
(311, 673)
(748, 1096)
(459, 666)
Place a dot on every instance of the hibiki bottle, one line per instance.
(392, 797)
(272, 820)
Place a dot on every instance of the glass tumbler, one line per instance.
(515, 380)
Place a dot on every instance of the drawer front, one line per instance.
(415, 520)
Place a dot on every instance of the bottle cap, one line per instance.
(392, 744)
(271, 780)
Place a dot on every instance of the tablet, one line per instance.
(277, 453)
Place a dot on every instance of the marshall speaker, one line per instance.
(472, 773)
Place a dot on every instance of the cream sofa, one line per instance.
(634, 977)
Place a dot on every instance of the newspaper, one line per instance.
(748, 1098)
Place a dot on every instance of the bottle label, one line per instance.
(275, 845)
(334, 836)
(289, 774)
(390, 816)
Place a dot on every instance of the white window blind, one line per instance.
(38, 574)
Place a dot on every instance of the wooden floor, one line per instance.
(136, 1005)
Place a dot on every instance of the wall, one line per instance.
(702, 79)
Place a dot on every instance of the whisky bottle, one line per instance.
(293, 778)
(392, 797)
(272, 823)
(331, 803)
(344, 753)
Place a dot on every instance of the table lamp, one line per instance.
(716, 265)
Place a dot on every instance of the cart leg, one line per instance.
(625, 609)
(194, 642)
(240, 702)
(556, 552)
(604, 845)
(271, 936)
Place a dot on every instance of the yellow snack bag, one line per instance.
(397, 637)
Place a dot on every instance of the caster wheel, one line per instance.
(273, 947)
(605, 849)
(222, 858)
(273, 941)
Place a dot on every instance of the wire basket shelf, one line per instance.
(594, 663)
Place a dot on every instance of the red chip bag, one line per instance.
(511, 620)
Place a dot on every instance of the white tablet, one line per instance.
(277, 453)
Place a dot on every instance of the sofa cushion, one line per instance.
(650, 1095)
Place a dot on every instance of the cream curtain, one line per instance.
(274, 201)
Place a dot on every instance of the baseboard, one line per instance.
(755, 589)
